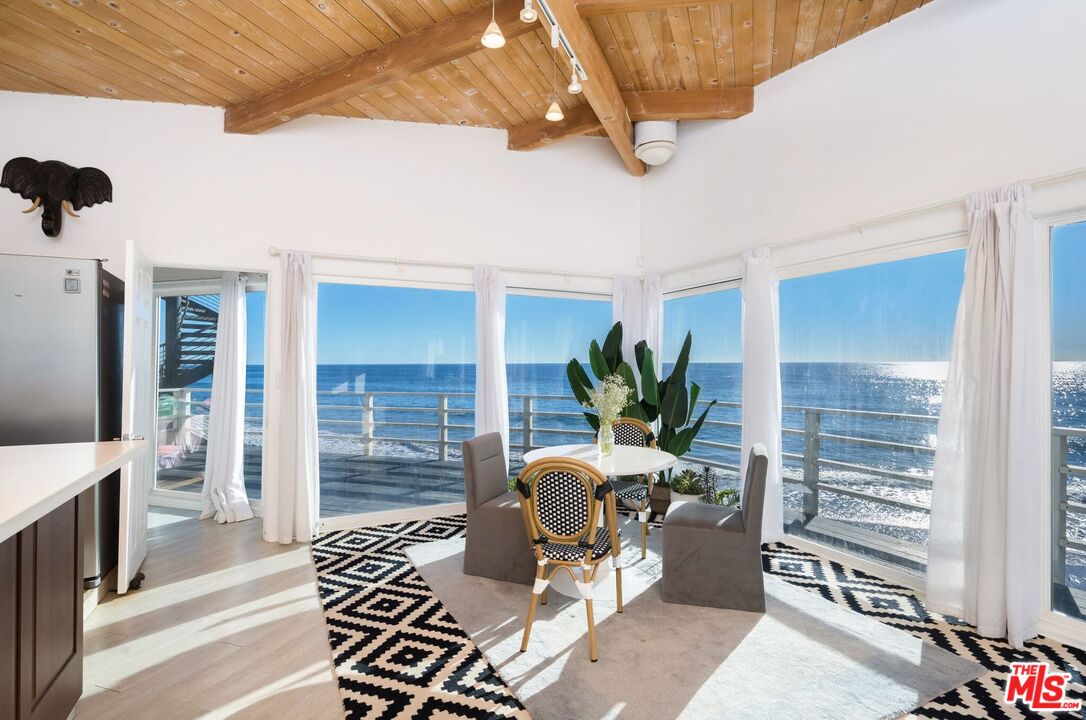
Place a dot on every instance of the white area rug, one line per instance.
(805, 658)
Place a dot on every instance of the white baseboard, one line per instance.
(428, 512)
(1066, 630)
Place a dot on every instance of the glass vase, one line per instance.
(607, 440)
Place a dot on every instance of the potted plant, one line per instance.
(686, 485)
(668, 401)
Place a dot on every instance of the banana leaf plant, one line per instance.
(669, 400)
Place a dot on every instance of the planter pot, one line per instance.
(679, 497)
(659, 500)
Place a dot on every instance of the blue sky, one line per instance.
(891, 312)
(254, 327)
(714, 319)
(423, 326)
(1069, 292)
(895, 312)
(553, 330)
(368, 324)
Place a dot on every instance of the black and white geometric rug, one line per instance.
(399, 654)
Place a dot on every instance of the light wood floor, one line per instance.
(225, 626)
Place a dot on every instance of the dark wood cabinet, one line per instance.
(41, 617)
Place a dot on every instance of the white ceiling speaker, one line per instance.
(655, 141)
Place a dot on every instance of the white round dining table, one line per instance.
(624, 460)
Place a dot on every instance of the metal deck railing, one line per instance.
(436, 419)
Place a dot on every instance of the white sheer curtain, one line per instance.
(291, 499)
(638, 303)
(986, 542)
(491, 385)
(224, 475)
(762, 380)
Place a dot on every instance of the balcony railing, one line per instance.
(1062, 506)
(432, 419)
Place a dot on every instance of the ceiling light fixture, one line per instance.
(554, 112)
(528, 14)
(492, 36)
(575, 86)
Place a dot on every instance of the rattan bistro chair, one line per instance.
(561, 500)
(635, 433)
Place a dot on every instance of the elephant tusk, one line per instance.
(68, 208)
(37, 202)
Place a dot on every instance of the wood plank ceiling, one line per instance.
(225, 52)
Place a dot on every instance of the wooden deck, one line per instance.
(860, 541)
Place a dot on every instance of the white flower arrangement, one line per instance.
(609, 399)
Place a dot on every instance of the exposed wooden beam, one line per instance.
(719, 104)
(533, 135)
(601, 90)
(413, 53)
(590, 8)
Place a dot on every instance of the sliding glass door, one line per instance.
(864, 358)
(187, 323)
(395, 396)
(1069, 420)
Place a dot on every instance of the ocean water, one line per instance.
(913, 389)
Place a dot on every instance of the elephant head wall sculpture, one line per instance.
(56, 186)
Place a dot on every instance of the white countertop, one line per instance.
(37, 479)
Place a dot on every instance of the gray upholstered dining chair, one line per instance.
(497, 545)
(713, 554)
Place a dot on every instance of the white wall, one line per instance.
(955, 97)
(192, 195)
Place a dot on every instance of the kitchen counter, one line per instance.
(41, 571)
(37, 479)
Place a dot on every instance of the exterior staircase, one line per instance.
(187, 353)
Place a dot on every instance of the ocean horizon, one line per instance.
(902, 388)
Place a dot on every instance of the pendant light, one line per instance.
(492, 36)
(574, 84)
(528, 14)
(554, 112)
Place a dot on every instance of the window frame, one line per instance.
(384, 517)
(1051, 623)
(427, 512)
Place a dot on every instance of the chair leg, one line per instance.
(591, 619)
(644, 517)
(540, 571)
(618, 586)
(543, 597)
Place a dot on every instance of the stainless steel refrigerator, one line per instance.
(61, 322)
